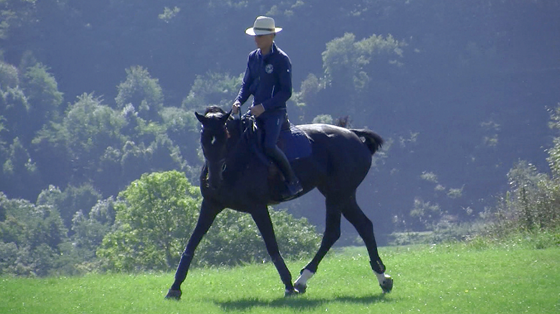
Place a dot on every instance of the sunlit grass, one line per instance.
(438, 279)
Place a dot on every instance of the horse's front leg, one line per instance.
(208, 213)
(262, 219)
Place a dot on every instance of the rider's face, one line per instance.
(264, 42)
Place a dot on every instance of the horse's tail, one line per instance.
(371, 139)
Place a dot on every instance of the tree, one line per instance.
(90, 229)
(212, 89)
(9, 76)
(84, 134)
(41, 90)
(154, 216)
(72, 200)
(142, 91)
(20, 173)
(16, 14)
(361, 67)
(33, 235)
(182, 128)
(14, 108)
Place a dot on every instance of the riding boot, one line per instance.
(281, 161)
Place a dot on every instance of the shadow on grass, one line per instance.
(296, 302)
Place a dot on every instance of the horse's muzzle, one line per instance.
(215, 177)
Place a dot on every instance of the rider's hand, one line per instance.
(235, 107)
(257, 110)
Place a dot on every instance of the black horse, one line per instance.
(233, 177)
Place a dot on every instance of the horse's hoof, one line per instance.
(300, 288)
(387, 284)
(290, 293)
(173, 295)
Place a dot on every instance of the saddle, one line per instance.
(292, 141)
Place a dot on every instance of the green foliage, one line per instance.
(533, 200)
(234, 239)
(142, 91)
(532, 203)
(15, 108)
(168, 14)
(41, 89)
(9, 76)
(157, 213)
(32, 236)
(212, 89)
(348, 61)
(105, 147)
(531, 240)
(89, 230)
(72, 200)
(91, 126)
(183, 129)
(19, 171)
(554, 152)
(153, 220)
(426, 213)
(15, 14)
(308, 91)
(87, 129)
(178, 121)
(323, 118)
(27, 102)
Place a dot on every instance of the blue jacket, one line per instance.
(268, 78)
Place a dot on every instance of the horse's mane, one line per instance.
(214, 109)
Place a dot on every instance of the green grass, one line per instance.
(446, 279)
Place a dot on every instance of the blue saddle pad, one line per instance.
(294, 143)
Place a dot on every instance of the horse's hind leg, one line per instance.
(364, 226)
(330, 236)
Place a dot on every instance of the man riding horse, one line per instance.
(335, 162)
(268, 78)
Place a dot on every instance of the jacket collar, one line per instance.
(273, 50)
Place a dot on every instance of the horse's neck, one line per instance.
(237, 148)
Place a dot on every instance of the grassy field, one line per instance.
(446, 279)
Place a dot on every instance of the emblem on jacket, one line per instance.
(269, 68)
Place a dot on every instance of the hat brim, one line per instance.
(256, 32)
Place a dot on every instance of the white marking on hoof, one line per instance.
(305, 275)
(382, 277)
(385, 282)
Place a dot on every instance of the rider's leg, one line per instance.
(272, 126)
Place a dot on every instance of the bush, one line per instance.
(156, 214)
(234, 239)
(533, 200)
(532, 203)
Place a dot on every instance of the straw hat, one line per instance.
(263, 25)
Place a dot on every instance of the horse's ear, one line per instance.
(200, 117)
(226, 117)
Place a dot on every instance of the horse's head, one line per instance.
(213, 139)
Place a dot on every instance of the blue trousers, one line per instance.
(271, 123)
